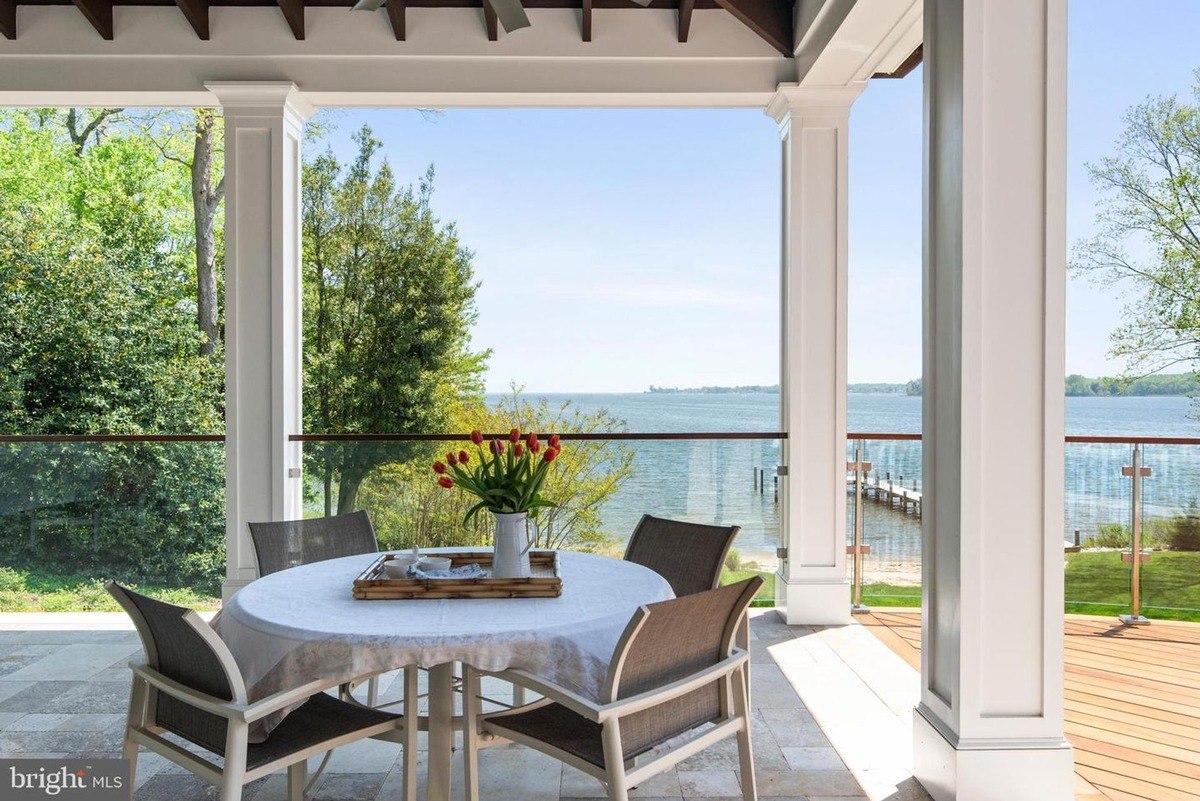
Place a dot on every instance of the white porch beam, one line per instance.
(263, 131)
(811, 586)
(989, 726)
(841, 42)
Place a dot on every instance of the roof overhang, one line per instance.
(635, 57)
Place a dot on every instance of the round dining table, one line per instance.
(301, 624)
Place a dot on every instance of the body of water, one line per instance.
(713, 481)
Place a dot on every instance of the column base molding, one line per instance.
(231, 586)
(812, 603)
(1018, 770)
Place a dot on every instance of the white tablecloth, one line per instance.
(301, 624)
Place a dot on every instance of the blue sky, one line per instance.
(622, 248)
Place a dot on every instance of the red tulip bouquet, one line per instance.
(507, 479)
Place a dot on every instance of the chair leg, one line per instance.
(372, 691)
(743, 642)
(614, 762)
(135, 719)
(234, 774)
(411, 726)
(471, 709)
(297, 778)
(741, 694)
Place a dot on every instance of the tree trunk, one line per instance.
(94, 126)
(205, 200)
(348, 484)
(328, 492)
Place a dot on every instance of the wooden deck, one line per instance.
(1132, 703)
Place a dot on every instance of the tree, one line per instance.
(1149, 233)
(192, 138)
(390, 298)
(98, 337)
(409, 508)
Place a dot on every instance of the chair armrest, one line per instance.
(636, 703)
(231, 710)
(599, 713)
(208, 703)
(285, 698)
(571, 700)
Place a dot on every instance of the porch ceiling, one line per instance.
(770, 20)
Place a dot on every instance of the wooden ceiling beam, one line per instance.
(770, 19)
(8, 19)
(686, 7)
(196, 13)
(293, 12)
(396, 15)
(587, 20)
(100, 14)
(491, 22)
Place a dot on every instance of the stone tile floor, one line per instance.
(64, 689)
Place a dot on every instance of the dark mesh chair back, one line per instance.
(176, 650)
(678, 638)
(688, 555)
(288, 543)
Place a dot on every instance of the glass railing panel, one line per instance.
(890, 505)
(1097, 516)
(602, 486)
(1170, 529)
(72, 514)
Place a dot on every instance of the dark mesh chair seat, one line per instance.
(322, 717)
(688, 555)
(569, 731)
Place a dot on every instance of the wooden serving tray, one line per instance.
(545, 582)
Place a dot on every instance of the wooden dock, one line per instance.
(886, 492)
(1132, 702)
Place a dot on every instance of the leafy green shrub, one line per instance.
(11, 580)
(733, 561)
(1185, 531)
(1111, 535)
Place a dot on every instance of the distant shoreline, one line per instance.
(1173, 385)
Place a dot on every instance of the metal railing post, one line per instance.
(1135, 557)
(858, 549)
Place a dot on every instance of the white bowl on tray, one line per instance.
(432, 563)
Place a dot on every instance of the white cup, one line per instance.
(397, 567)
(430, 563)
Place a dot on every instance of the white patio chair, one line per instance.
(676, 685)
(190, 686)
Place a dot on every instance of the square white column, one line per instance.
(989, 726)
(811, 585)
(264, 125)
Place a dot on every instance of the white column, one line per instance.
(989, 726)
(811, 586)
(263, 131)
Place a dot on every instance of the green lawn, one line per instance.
(766, 593)
(1097, 583)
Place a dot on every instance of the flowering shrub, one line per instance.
(508, 478)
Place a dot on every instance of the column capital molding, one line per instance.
(794, 100)
(261, 98)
